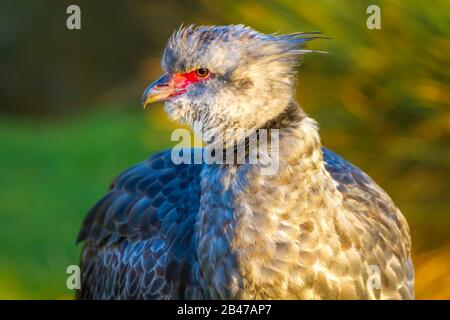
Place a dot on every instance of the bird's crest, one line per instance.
(192, 41)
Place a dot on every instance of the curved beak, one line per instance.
(159, 90)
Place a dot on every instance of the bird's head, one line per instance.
(231, 77)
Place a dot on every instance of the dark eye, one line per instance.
(202, 72)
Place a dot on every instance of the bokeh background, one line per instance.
(71, 117)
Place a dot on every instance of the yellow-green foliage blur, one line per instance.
(71, 119)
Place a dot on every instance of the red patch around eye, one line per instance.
(182, 80)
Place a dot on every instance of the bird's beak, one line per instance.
(160, 90)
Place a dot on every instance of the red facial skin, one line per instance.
(171, 85)
(181, 80)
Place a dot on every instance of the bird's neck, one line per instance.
(250, 223)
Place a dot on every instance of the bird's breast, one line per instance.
(258, 235)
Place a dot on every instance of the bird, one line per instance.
(318, 227)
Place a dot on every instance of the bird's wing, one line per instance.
(384, 239)
(139, 239)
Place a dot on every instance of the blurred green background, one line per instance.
(71, 118)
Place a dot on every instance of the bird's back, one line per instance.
(380, 233)
(140, 239)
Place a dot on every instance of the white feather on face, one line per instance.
(253, 76)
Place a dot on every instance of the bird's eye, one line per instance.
(202, 72)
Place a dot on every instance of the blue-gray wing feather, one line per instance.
(139, 239)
